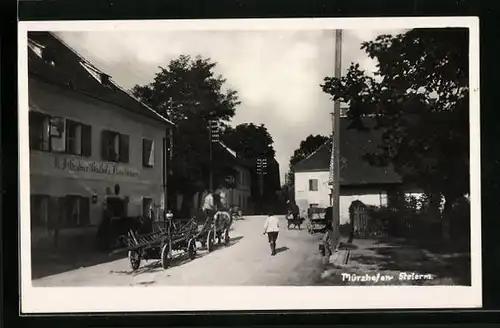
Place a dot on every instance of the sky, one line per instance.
(277, 73)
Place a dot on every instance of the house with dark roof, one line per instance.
(239, 190)
(95, 150)
(358, 179)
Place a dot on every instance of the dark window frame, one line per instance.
(37, 199)
(85, 135)
(85, 138)
(122, 154)
(83, 219)
(39, 143)
(313, 185)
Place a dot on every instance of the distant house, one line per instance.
(358, 179)
(240, 193)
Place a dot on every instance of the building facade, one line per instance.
(240, 195)
(240, 192)
(95, 151)
(312, 189)
(358, 179)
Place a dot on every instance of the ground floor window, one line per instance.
(75, 211)
(40, 211)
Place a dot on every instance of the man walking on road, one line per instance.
(272, 228)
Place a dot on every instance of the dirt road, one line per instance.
(246, 261)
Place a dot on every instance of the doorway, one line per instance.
(116, 207)
(146, 206)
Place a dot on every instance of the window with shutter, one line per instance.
(73, 137)
(57, 134)
(40, 211)
(110, 146)
(86, 140)
(147, 153)
(124, 148)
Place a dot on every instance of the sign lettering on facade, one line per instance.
(78, 165)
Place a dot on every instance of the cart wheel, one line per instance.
(135, 259)
(166, 257)
(226, 237)
(192, 249)
(210, 241)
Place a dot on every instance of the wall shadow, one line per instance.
(50, 261)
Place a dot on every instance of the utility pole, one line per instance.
(261, 172)
(167, 148)
(336, 144)
(213, 134)
(168, 152)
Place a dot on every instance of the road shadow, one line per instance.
(183, 258)
(281, 249)
(347, 246)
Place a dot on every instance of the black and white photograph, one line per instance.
(249, 164)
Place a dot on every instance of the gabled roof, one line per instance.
(69, 70)
(354, 144)
(225, 154)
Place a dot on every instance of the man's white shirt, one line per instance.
(272, 224)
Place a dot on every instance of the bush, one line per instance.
(345, 229)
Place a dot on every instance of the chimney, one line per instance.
(104, 79)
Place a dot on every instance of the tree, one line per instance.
(420, 99)
(189, 93)
(251, 142)
(306, 148)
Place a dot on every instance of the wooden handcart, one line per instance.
(161, 243)
(317, 221)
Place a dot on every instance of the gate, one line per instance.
(359, 219)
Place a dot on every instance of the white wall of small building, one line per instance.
(304, 197)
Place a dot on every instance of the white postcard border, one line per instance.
(146, 299)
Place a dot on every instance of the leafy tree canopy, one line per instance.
(189, 93)
(420, 98)
(250, 140)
